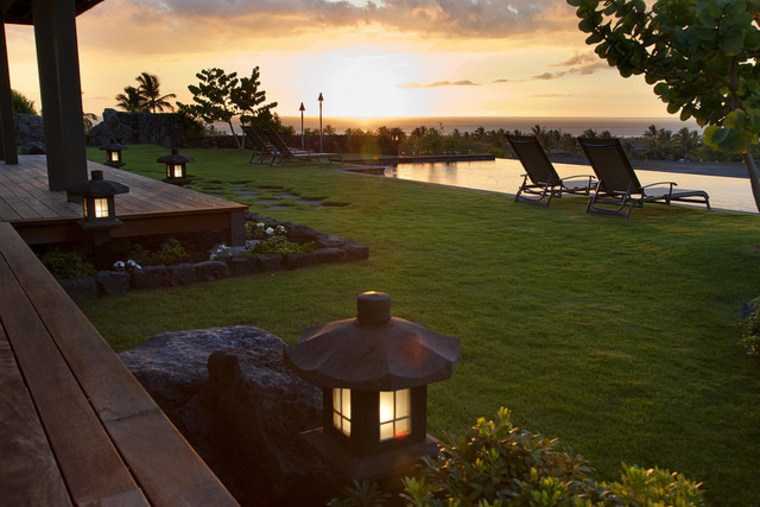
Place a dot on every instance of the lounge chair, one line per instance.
(541, 179)
(262, 148)
(618, 190)
(285, 152)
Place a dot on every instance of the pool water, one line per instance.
(504, 176)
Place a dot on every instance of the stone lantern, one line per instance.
(373, 371)
(98, 206)
(113, 154)
(176, 168)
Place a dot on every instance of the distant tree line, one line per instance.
(655, 143)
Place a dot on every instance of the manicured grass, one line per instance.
(619, 337)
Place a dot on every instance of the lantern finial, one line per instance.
(373, 308)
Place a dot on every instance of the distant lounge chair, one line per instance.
(285, 152)
(541, 179)
(619, 190)
(262, 148)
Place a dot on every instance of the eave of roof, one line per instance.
(19, 12)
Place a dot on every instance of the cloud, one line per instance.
(452, 18)
(578, 58)
(579, 63)
(440, 84)
(546, 76)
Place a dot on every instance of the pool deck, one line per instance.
(730, 191)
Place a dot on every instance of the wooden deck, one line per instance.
(76, 427)
(150, 207)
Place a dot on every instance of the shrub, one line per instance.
(750, 326)
(496, 464)
(170, 252)
(67, 264)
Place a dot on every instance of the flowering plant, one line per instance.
(262, 231)
(221, 252)
(128, 266)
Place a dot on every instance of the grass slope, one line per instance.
(618, 337)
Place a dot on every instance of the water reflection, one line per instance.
(504, 175)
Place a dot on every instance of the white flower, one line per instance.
(119, 265)
(260, 225)
(269, 231)
(281, 229)
(132, 264)
(221, 252)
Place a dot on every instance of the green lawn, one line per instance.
(619, 337)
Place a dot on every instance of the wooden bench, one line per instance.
(76, 428)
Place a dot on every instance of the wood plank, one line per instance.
(29, 474)
(90, 465)
(115, 394)
(146, 441)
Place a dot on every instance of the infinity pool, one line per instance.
(504, 176)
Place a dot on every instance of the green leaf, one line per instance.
(732, 44)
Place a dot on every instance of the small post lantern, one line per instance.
(98, 209)
(320, 99)
(374, 371)
(113, 154)
(303, 143)
(176, 168)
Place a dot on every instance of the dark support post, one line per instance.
(60, 88)
(7, 129)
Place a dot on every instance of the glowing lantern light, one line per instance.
(98, 207)
(176, 168)
(374, 371)
(113, 154)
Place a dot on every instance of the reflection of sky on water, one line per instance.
(503, 175)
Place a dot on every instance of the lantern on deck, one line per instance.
(176, 168)
(374, 371)
(113, 154)
(98, 207)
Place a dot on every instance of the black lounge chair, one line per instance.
(541, 179)
(285, 152)
(262, 148)
(619, 190)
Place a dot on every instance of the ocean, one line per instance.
(618, 127)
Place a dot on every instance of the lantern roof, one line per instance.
(113, 146)
(98, 187)
(374, 351)
(174, 158)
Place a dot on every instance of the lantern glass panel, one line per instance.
(177, 170)
(101, 207)
(342, 410)
(395, 414)
(115, 156)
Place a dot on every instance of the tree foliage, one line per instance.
(21, 104)
(220, 97)
(129, 100)
(150, 93)
(699, 55)
(145, 97)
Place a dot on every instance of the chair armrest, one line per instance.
(671, 183)
(577, 176)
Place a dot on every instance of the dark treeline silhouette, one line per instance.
(653, 144)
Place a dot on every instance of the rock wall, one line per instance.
(137, 128)
(30, 133)
(230, 394)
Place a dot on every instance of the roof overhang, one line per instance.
(19, 12)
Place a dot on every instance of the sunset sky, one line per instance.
(368, 58)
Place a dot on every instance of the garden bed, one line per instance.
(272, 246)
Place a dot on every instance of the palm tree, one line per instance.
(150, 93)
(130, 101)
